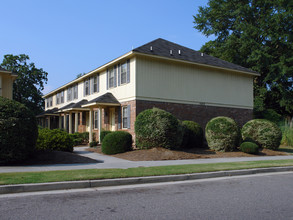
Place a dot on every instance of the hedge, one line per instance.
(117, 142)
(18, 131)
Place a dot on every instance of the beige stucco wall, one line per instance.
(122, 93)
(7, 85)
(165, 80)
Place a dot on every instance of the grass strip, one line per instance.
(95, 174)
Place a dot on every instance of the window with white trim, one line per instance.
(123, 73)
(96, 120)
(95, 84)
(124, 117)
(50, 101)
(62, 96)
(75, 91)
(69, 94)
(87, 87)
(111, 78)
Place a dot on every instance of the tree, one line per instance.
(27, 88)
(257, 34)
(80, 75)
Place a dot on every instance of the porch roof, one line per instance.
(108, 99)
(52, 112)
(64, 108)
(76, 106)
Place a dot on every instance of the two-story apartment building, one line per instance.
(189, 84)
(6, 83)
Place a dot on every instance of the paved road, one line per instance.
(265, 196)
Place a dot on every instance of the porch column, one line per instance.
(91, 125)
(60, 121)
(76, 122)
(70, 122)
(49, 122)
(64, 122)
(100, 123)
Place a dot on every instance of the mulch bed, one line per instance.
(165, 154)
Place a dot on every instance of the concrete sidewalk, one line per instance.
(107, 162)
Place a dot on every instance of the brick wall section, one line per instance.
(198, 113)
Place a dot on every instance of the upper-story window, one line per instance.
(95, 82)
(111, 77)
(123, 73)
(75, 91)
(60, 97)
(69, 94)
(50, 102)
(87, 87)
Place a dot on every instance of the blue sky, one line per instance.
(69, 37)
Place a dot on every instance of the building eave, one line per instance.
(99, 69)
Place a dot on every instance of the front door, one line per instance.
(112, 119)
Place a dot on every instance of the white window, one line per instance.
(75, 91)
(50, 102)
(62, 97)
(69, 94)
(87, 87)
(95, 84)
(96, 120)
(111, 78)
(58, 98)
(123, 73)
(124, 117)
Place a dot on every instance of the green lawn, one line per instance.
(94, 174)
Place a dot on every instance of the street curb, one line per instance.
(34, 187)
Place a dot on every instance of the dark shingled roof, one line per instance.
(106, 98)
(161, 47)
(67, 106)
(80, 103)
(49, 112)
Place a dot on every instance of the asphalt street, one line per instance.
(262, 196)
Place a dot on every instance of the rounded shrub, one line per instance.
(93, 144)
(55, 139)
(265, 133)
(157, 128)
(117, 142)
(104, 133)
(222, 134)
(18, 131)
(249, 147)
(192, 135)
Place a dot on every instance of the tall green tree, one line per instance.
(28, 86)
(256, 34)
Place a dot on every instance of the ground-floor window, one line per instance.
(124, 117)
(96, 119)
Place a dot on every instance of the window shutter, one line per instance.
(98, 82)
(119, 117)
(107, 79)
(115, 77)
(128, 116)
(119, 74)
(128, 71)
